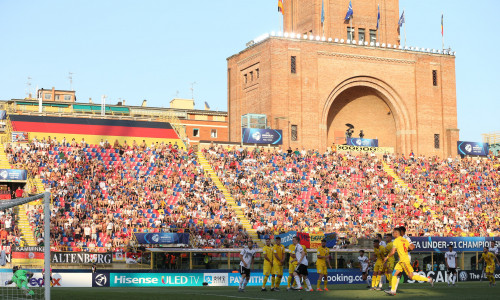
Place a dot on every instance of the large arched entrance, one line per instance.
(364, 108)
(371, 105)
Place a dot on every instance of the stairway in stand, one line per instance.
(23, 224)
(4, 162)
(420, 201)
(229, 200)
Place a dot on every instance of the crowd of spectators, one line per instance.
(352, 195)
(102, 194)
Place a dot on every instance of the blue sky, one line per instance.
(154, 50)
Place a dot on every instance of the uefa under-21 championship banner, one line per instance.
(362, 142)
(460, 244)
(261, 136)
(472, 148)
(13, 174)
(309, 240)
(162, 238)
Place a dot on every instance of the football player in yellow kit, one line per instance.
(278, 263)
(378, 269)
(401, 245)
(267, 252)
(389, 264)
(292, 265)
(489, 259)
(321, 262)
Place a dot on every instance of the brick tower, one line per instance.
(315, 77)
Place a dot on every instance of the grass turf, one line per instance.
(468, 290)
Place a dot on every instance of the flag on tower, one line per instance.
(378, 16)
(350, 12)
(401, 20)
(322, 11)
(442, 24)
(280, 7)
(207, 107)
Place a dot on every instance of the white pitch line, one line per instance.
(237, 297)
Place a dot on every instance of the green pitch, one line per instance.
(469, 290)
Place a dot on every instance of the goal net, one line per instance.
(19, 278)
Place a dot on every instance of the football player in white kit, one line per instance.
(247, 256)
(302, 263)
(450, 258)
(364, 263)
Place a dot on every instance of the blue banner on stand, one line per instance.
(460, 244)
(472, 148)
(262, 136)
(286, 238)
(362, 142)
(160, 238)
(331, 239)
(13, 174)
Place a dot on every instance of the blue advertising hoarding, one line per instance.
(162, 238)
(460, 244)
(472, 148)
(362, 142)
(262, 136)
(13, 174)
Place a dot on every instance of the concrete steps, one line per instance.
(422, 203)
(24, 226)
(4, 162)
(229, 199)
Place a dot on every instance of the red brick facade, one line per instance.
(389, 93)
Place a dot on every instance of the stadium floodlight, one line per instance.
(377, 44)
(372, 44)
(354, 42)
(383, 45)
(342, 41)
(428, 50)
(280, 33)
(273, 33)
(323, 39)
(292, 35)
(286, 34)
(348, 41)
(401, 47)
(454, 53)
(318, 38)
(360, 43)
(389, 46)
(366, 43)
(337, 40)
(330, 40)
(311, 37)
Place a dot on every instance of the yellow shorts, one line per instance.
(277, 269)
(322, 269)
(379, 266)
(389, 266)
(267, 269)
(404, 267)
(490, 269)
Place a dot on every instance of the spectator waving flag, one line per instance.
(401, 20)
(350, 12)
(378, 17)
(280, 7)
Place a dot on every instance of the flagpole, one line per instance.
(404, 29)
(350, 29)
(442, 29)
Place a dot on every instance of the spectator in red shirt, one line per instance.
(19, 192)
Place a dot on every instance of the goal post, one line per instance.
(20, 288)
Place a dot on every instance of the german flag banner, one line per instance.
(27, 255)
